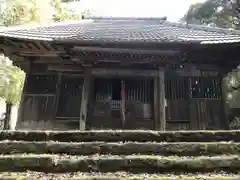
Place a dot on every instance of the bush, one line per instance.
(235, 123)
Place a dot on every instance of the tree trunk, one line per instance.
(8, 116)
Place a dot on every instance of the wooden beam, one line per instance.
(65, 68)
(124, 72)
(56, 60)
(140, 51)
(162, 100)
(37, 53)
(85, 100)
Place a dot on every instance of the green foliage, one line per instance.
(58, 17)
(221, 13)
(62, 14)
(20, 12)
(11, 81)
(235, 123)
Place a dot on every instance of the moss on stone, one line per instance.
(113, 136)
(106, 163)
(127, 148)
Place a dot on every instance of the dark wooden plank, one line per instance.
(192, 114)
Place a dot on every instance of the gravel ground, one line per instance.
(114, 176)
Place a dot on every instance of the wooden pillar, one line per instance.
(123, 103)
(225, 103)
(85, 100)
(162, 103)
(58, 91)
(156, 104)
(28, 71)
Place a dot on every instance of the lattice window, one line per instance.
(177, 88)
(139, 91)
(103, 89)
(206, 87)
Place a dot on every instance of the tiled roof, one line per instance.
(125, 30)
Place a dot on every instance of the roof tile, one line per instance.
(124, 30)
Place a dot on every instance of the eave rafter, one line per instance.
(30, 48)
(117, 55)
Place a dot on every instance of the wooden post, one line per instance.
(21, 104)
(85, 99)
(162, 103)
(224, 100)
(156, 104)
(123, 103)
(58, 91)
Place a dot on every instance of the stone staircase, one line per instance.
(115, 155)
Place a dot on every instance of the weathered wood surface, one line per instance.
(106, 163)
(118, 148)
(119, 135)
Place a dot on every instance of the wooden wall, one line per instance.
(69, 101)
(52, 98)
(192, 102)
(39, 96)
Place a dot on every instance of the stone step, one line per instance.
(111, 163)
(115, 176)
(114, 136)
(121, 148)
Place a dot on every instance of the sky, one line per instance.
(173, 9)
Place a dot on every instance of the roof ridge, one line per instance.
(206, 28)
(164, 18)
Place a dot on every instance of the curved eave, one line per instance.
(147, 43)
(22, 50)
(226, 41)
(12, 35)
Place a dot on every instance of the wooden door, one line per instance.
(139, 103)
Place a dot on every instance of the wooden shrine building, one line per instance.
(122, 73)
